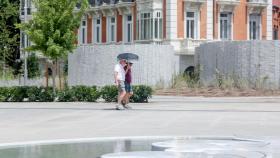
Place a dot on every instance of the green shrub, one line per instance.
(39, 94)
(4, 94)
(141, 94)
(46, 95)
(33, 93)
(94, 94)
(81, 93)
(109, 93)
(2, 98)
(78, 93)
(86, 94)
(66, 95)
(18, 94)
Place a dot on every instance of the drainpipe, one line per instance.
(25, 45)
(214, 19)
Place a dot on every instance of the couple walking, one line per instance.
(123, 80)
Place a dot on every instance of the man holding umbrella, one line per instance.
(121, 77)
(119, 81)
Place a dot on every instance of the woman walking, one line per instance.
(127, 83)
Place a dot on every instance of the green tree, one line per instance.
(52, 28)
(33, 66)
(9, 34)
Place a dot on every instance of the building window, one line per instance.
(275, 34)
(25, 42)
(149, 27)
(111, 29)
(144, 26)
(97, 30)
(83, 32)
(22, 39)
(128, 27)
(190, 25)
(28, 5)
(225, 26)
(254, 26)
(22, 5)
(157, 25)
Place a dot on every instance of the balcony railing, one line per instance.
(256, 6)
(96, 3)
(228, 2)
(195, 1)
(257, 3)
(187, 46)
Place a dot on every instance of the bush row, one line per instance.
(72, 94)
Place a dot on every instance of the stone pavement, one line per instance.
(251, 117)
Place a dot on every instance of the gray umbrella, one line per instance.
(128, 56)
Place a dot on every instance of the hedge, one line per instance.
(71, 94)
(109, 93)
(141, 94)
(78, 93)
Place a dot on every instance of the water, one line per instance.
(201, 144)
(145, 147)
(158, 154)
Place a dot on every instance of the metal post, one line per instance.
(25, 45)
(4, 60)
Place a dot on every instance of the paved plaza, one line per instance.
(251, 117)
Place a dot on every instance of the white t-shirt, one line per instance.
(121, 73)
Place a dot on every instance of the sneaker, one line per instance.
(118, 107)
(127, 107)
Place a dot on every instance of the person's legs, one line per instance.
(124, 102)
(121, 96)
(127, 89)
(129, 93)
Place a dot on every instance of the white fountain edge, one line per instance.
(85, 140)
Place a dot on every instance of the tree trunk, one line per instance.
(3, 70)
(4, 66)
(47, 74)
(59, 75)
(54, 75)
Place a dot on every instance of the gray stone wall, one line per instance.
(94, 65)
(185, 62)
(253, 61)
(20, 82)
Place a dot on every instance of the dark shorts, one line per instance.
(121, 86)
(128, 87)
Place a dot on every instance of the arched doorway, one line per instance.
(189, 71)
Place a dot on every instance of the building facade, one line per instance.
(184, 24)
(187, 21)
(276, 19)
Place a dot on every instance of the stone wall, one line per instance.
(94, 65)
(185, 62)
(253, 61)
(20, 82)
